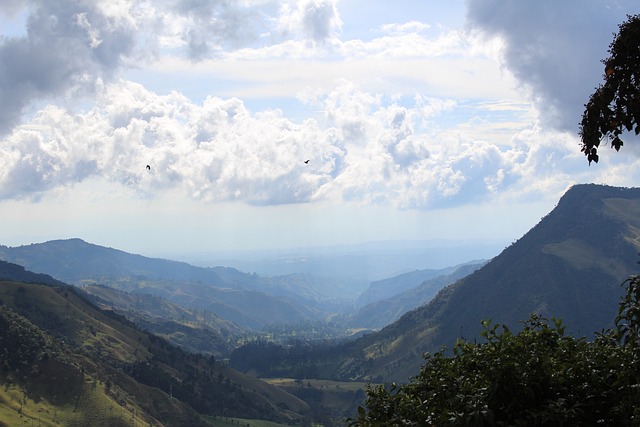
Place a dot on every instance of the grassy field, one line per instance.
(337, 399)
(91, 408)
(319, 384)
(239, 422)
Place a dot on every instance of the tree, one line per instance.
(614, 107)
(537, 377)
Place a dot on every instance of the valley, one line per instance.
(161, 341)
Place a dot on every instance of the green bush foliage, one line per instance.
(537, 377)
(22, 344)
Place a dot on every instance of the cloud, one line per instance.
(367, 148)
(407, 27)
(553, 48)
(12, 7)
(210, 27)
(92, 33)
(67, 44)
(315, 20)
(217, 151)
(416, 123)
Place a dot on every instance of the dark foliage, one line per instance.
(296, 359)
(614, 107)
(22, 344)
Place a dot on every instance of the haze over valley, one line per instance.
(317, 331)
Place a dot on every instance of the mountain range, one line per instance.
(389, 299)
(249, 300)
(570, 265)
(223, 293)
(66, 362)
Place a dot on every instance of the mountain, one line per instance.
(389, 287)
(396, 285)
(192, 330)
(569, 266)
(65, 362)
(246, 299)
(380, 313)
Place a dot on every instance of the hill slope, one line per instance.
(195, 331)
(386, 288)
(89, 367)
(570, 265)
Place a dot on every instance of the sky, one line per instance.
(419, 119)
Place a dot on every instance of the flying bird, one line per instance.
(148, 167)
(307, 161)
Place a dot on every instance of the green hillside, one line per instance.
(195, 331)
(52, 375)
(65, 360)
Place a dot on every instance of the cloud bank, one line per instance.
(366, 149)
(370, 143)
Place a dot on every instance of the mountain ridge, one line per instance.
(79, 365)
(380, 313)
(527, 277)
(247, 299)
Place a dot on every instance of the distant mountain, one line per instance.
(382, 312)
(570, 265)
(392, 286)
(247, 299)
(73, 364)
(74, 260)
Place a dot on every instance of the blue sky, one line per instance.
(420, 120)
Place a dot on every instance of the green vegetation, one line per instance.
(61, 355)
(614, 107)
(196, 331)
(537, 377)
(331, 402)
(42, 382)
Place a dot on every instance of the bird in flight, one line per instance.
(307, 161)
(148, 167)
